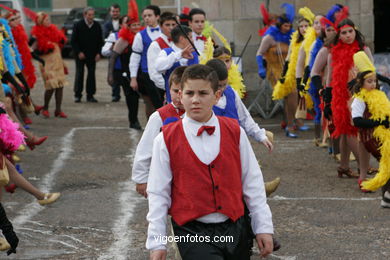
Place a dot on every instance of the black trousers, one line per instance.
(235, 249)
(146, 86)
(130, 95)
(79, 78)
(116, 90)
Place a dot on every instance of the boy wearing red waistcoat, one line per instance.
(203, 169)
(164, 115)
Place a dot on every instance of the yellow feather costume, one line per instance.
(379, 107)
(281, 90)
(235, 79)
(310, 37)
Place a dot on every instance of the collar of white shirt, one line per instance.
(150, 31)
(193, 126)
(88, 24)
(165, 38)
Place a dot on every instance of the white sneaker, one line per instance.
(385, 203)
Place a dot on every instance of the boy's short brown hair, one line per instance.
(219, 67)
(199, 71)
(176, 75)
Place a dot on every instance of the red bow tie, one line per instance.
(209, 129)
(201, 38)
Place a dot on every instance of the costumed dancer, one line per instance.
(10, 139)
(318, 66)
(370, 113)
(340, 80)
(49, 41)
(118, 69)
(21, 39)
(214, 204)
(302, 73)
(268, 19)
(286, 87)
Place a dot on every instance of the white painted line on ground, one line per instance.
(33, 208)
(128, 200)
(283, 257)
(279, 198)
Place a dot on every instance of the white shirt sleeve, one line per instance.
(135, 57)
(246, 121)
(164, 62)
(157, 77)
(358, 107)
(109, 43)
(143, 154)
(159, 194)
(253, 189)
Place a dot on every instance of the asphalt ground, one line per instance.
(88, 158)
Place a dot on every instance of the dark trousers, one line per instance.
(131, 96)
(146, 86)
(79, 78)
(116, 90)
(235, 249)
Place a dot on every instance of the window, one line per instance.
(38, 4)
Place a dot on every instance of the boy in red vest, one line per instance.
(203, 169)
(164, 115)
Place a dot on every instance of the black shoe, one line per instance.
(77, 99)
(116, 99)
(92, 99)
(136, 126)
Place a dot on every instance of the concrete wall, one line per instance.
(237, 19)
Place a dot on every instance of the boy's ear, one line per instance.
(218, 95)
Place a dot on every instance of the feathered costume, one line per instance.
(268, 19)
(11, 54)
(281, 90)
(10, 137)
(21, 40)
(235, 79)
(50, 40)
(132, 13)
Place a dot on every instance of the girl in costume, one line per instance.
(318, 66)
(303, 68)
(370, 113)
(273, 48)
(49, 41)
(286, 87)
(347, 42)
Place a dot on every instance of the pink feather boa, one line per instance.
(10, 136)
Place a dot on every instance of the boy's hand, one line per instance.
(141, 189)
(158, 255)
(134, 84)
(265, 243)
(268, 144)
(187, 52)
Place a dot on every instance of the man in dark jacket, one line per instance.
(87, 42)
(112, 25)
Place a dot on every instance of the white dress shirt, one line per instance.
(138, 47)
(115, 25)
(109, 43)
(164, 61)
(358, 107)
(143, 154)
(244, 117)
(153, 53)
(199, 44)
(206, 148)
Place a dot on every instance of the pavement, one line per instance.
(88, 158)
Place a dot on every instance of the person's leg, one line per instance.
(79, 78)
(346, 143)
(47, 96)
(21, 182)
(132, 98)
(58, 95)
(291, 103)
(364, 161)
(152, 91)
(91, 79)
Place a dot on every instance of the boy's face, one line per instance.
(222, 84)
(197, 23)
(198, 99)
(167, 27)
(174, 91)
(150, 18)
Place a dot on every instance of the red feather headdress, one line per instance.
(132, 12)
(10, 11)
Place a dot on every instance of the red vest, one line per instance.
(199, 189)
(168, 111)
(162, 43)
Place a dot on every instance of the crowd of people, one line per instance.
(194, 161)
